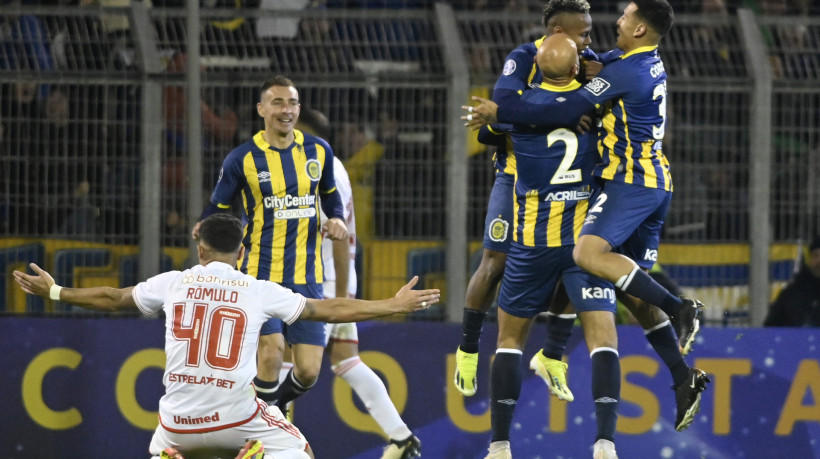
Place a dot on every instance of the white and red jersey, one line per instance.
(213, 315)
(346, 193)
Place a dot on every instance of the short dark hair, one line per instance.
(658, 13)
(221, 232)
(316, 121)
(278, 80)
(556, 7)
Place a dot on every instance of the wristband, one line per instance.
(54, 293)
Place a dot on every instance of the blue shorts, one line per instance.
(629, 217)
(532, 274)
(301, 331)
(497, 232)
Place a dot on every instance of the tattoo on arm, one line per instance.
(310, 310)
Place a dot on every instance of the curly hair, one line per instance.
(555, 7)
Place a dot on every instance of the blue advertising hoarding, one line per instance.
(74, 387)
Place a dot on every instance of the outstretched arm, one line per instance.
(341, 310)
(96, 298)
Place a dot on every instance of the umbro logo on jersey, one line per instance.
(605, 400)
(507, 401)
(597, 86)
(264, 177)
(561, 99)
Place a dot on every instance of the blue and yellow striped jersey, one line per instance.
(632, 92)
(519, 73)
(280, 191)
(553, 177)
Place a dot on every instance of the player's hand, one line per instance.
(584, 124)
(591, 69)
(195, 230)
(336, 229)
(38, 284)
(414, 300)
(484, 113)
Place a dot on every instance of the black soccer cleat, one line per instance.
(687, 323)
(404, 449)
(687, 398)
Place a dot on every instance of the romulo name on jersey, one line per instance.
(212, 294)
(590, 293)
(200, 279)
(569, 195)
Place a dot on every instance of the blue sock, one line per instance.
(640, 284)
(289, 389)
(505, 387)
(472, 322)
(665, 343)
(606, 390)
(559, 329)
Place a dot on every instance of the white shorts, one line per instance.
(342, 332)
(269, 426)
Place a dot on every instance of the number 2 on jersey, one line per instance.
(564, 174)
(222, 332)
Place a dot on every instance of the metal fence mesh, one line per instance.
(70, 108)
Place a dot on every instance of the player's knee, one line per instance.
(579, 254)
(306, 376)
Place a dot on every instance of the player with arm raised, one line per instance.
(552, 189)
(570, 17)
(634, 183)
(213, 315)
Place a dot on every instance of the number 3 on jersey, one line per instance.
(660, 93)
(222, 334)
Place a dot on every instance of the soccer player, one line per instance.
(338, 258)
(572, 18)
(281, 174)
(213, 316)
(552, 188)
(634, 183)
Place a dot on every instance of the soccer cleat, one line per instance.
(253, 449)
(687, 323)
(499, 450)
(466, 369)
(554, 373)
(409, 447)
(604, 449)
(289, 411)
(687, 398)
(170, 453)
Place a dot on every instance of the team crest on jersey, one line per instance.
(313, 170)
(498, 230)
(509, 67)
(597, 86)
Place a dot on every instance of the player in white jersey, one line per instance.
(213, 315)
(340, 282)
